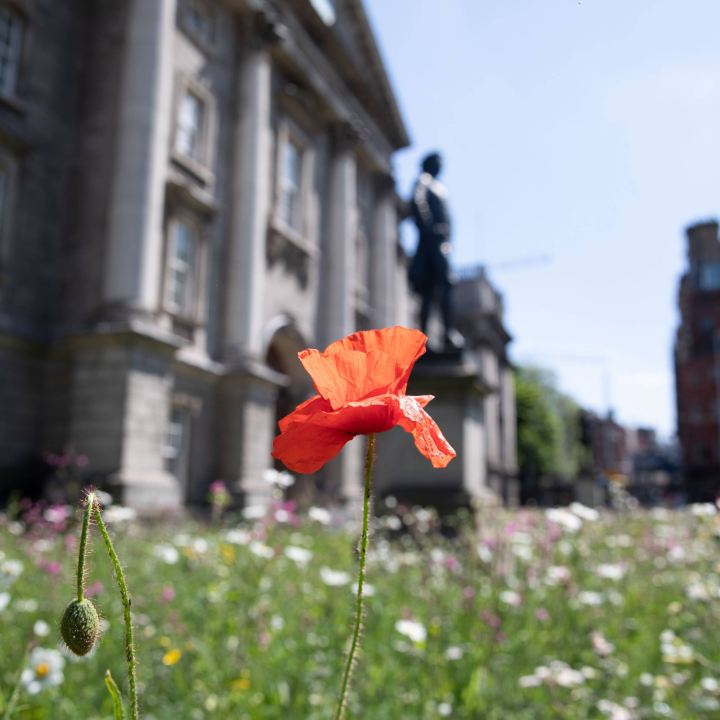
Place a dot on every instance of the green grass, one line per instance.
(247, 636)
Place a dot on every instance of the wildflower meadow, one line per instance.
(564, 613)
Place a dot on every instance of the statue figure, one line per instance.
(429, 272)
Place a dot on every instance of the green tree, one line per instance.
(548, 428)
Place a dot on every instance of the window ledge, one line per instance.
(293, 237)
(194, 167)
(196, 196)
(181, 325)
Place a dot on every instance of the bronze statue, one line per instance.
(429, 272)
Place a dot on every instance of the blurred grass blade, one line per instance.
(115, 695)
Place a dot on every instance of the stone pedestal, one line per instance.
(403, 472)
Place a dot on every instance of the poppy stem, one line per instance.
(369, 460)
(89, 504)
(122, 586)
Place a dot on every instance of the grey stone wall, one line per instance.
(21, 372)
(42, 131)
(94, 161)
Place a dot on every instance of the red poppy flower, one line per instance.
(361, 382)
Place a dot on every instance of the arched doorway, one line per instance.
(284, 342)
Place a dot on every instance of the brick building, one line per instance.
(697, 363)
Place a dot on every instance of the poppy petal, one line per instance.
(405, 345)
(352, 375)
(304, 447)
(313, 433)
(428, 437)
(304, 410)
(364, 364)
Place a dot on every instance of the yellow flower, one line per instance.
(171, 657)
(241, 683)
(228, 554)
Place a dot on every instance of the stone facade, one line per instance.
(480, 317)
(191, 191)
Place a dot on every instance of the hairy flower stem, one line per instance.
(369, 460)
(129, 643)
(90, 503)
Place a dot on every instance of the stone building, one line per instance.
(191, 191)
(697, 364)
(480, 317)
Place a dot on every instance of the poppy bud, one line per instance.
(80, 626)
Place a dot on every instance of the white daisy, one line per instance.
(299, 555)
(411, 629)
(44, 670)
(334, 578)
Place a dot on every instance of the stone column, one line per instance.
(383, 259)
(250, 204)
(343, 475)
(340, 249)
(134, 254)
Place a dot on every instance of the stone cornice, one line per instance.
(369, 83)
(303, 55)
(250, 368)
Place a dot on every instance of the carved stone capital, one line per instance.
(343, 136)
(262, 30)
(384, 183)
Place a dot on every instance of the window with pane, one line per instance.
(176, 442)
(11, 30)
(199, 20)
(710, 276)
(290, 185)
(182, 265)
(190, 126)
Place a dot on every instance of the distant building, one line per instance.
(655, 475)
(697, 363)
(627, 458)
(480, 318)
(191, 191)
(609, 441)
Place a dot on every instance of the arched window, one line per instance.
(11, 36)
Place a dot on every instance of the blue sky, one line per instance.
(583, 131)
